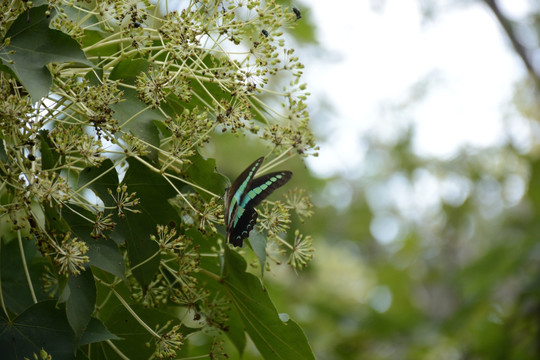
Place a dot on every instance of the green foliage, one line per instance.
(39, 326)
(274, 338)
(112, 240)
(32, 45)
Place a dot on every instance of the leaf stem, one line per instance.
(146, 260)
(2, 294)
(210, 275)
(25, 266)
(116, 350)
(133, 313)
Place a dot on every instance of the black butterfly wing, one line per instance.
(261, 187)
(245, 224)
(233, 194)
(245, 215)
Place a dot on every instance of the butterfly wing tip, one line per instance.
(236, 242)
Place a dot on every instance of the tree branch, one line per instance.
(508, 27)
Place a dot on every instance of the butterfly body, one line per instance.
(243, 195)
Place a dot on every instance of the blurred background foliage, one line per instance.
(423, 258)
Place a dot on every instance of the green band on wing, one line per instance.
(253, 193)
(238, 194)
(244, 194)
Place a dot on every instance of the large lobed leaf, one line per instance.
(34, 45)
(103, 253)
(133, 337)
(154, 193)
(203, 172)
(44, 326)
(15, 289)
(273, 338)
(79, 294)
(39, 326)
(100, 179)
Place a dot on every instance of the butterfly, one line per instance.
(243, 195)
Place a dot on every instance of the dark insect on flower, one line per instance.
(297, 13)
(243, 195)
(265, 33)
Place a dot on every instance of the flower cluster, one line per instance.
(275, 219)
(205, 214)
(300, 202)
(70, 255)
(302, 250)
(124, 201)
(175, 282)
(168, 343)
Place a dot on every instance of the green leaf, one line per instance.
(15, 290)
(207, 92)
(206, 243)
(91, 22)
(96, 332)
(273, 338)
(138, 118)
(35, 45)
(92, 37)
(258, 244)
(81, 301)
(3, 154)
(236, 332)
(128, 70)
(163, 130)
(154, 193)
(203, 172)
(100, 179)
(53, 221)
(105, 255)
(133, 335)
(103, 252)
(49, 156)
(95, 76)
(234, 326)
(39, 326)
(132, 114)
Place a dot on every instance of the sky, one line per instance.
(374, 56)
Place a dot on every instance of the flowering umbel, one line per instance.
(169, 343)
(302, 250)
(70, 255)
